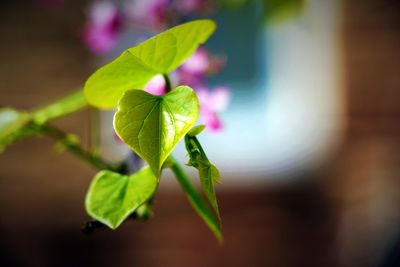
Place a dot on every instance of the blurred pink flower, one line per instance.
(156, 85)
(212, 102)
(102, 30)
(186, 7)
(198, 63)
(194, 69)
(201, 64)
(149, 12)
(193, 72)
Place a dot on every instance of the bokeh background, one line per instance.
(309, 153)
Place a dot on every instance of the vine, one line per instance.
(151, 125)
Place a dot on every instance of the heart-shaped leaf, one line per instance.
(112, 197)
(137, 65)
(153, 125)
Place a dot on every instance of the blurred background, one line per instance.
(307, 137)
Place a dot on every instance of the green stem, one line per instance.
(73, 147)
(194, 198)
(168, 85)
(185, 182)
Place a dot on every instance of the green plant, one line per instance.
(150, 125)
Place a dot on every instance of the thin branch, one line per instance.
(75, 148)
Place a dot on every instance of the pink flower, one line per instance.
(101, 32)
(186, 7)
(201, 64)
(156, 86)
(193, 72)
(198, 63)
(212, 102)
(194, 69)
(153, 13)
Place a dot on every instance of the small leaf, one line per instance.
(12, 124)
(153, 125)
(60, 108)
(137, 65)
(208, 173)
(196, 130)
(112, 197)
(196, 201)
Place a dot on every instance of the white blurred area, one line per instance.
(304, 107)
(294, 121)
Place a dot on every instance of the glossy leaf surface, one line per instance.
(137, 65)
(112, 197)
(153, 125)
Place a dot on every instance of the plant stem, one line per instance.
(168, 85)
(182, 177)
(74, 147)
(194, 198)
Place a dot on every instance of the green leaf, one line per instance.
(12, 124)
(208, 173)
(195, 199)
(137, 65)
(196, 130)
(153, 125)
(60, 108)
(112, 197)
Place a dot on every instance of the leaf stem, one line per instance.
(168, 85)
(74, 147)
(194, 198)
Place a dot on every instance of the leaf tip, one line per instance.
(196, 130)
(211, 23)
